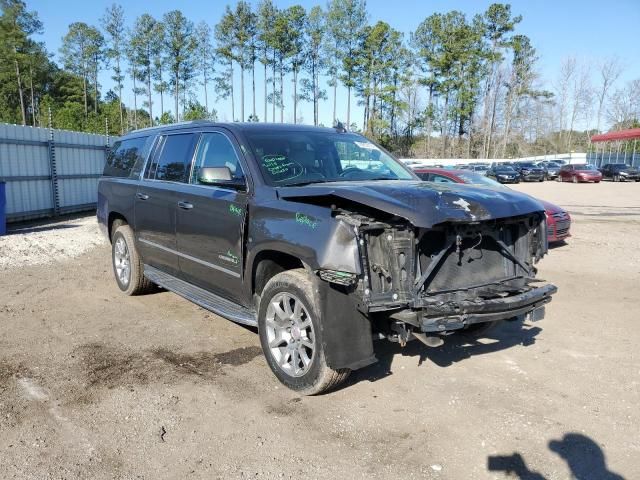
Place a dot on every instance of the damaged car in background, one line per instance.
(319, 238)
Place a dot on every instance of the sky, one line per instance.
(586, 29)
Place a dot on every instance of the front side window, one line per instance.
(215, 150)
(298, 157)
(174, 159)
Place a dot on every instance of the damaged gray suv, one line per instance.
(317, 237)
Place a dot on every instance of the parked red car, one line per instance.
(579, 173)
(558, 219)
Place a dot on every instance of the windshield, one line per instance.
(584, 167)
(299, 157)
(504, 168)
(477, 179)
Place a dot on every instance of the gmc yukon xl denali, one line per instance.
(317, 237)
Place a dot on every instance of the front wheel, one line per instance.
(289, 325)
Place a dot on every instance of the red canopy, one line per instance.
(630, 134)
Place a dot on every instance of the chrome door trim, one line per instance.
(189, 257)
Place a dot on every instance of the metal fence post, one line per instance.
(55, 194)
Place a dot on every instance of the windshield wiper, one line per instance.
(302, 184)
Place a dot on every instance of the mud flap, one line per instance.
(346, 332)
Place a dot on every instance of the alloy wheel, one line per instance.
(122, 261)
(290, 334)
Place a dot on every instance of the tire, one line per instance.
(616, 178)
(127, 264)
(286, 340)
(574, 179)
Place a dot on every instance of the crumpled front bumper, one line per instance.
(455, 315)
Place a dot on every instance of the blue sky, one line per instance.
(586, 29)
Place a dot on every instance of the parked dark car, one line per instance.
(530, 172)
(558, 219)
(317, 237)
(503, 173)
(620, 172)
(551, 169)
(579, 173)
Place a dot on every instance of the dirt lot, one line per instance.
(97, 385)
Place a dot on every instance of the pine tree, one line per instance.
(315, 61)
(113, 25)
(180, 50)
(206, 58)
(347, 20)
(16, 27)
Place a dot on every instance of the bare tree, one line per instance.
(581, 95)
(562, 88)
(609, 71)
(624, 105)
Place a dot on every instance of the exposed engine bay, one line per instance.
(445, 278)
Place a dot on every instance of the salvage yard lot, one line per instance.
(97, 385)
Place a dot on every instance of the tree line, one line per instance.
(454, 87)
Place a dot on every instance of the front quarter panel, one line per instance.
(307, 232)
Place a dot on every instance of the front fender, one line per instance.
(307, 232)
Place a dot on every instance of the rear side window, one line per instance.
(174, 159)
(125, 157)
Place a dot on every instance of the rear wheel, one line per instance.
(616, 178)
(127, 264)
(289, 324)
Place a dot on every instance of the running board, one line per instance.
(201, 297)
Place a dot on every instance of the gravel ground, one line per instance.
(42, 243)
(97, 385)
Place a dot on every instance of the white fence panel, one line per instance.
(49, 172)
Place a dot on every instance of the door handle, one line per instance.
(185, 205)
(142, 196)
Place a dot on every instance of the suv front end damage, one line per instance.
(437, 280)
(431, 259)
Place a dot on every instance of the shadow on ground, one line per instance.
(456, 348)
(585, 459)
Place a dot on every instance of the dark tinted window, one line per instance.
(124, 157)
(174, 159)
(423, 176)
(216, 150)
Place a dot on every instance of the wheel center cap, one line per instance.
(295, 333)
